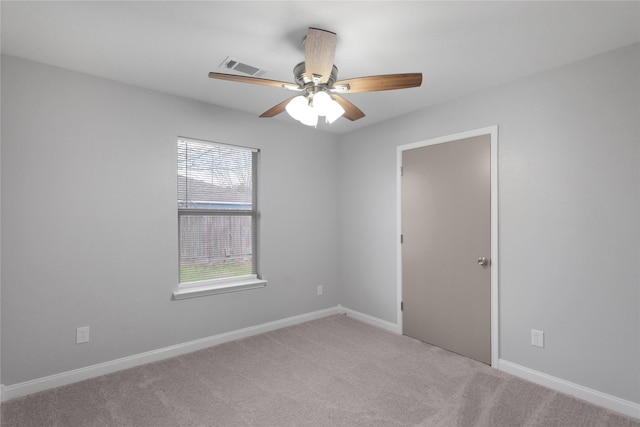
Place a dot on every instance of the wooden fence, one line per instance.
(211, 239)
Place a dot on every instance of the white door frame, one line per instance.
(493, 132)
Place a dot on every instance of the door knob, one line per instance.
(483, 262)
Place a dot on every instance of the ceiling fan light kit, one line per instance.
(317, 78)
(307, 108)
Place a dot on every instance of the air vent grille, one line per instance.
(234, 64)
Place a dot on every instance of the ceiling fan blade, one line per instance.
(277, 109)
(319, 53)
(254, 80)
(351, 112)
(378, 83)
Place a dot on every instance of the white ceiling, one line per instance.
(460, 47)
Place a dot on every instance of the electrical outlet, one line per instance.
(319, 290)
(537, 338)
(82, 335)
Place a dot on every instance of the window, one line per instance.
(217, 218)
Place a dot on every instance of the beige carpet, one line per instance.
(334, 371)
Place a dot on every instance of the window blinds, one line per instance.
(217, 211)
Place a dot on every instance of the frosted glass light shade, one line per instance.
(297, 106)
(322, 103)
(327, 107)
(335, 111)
(309, 117)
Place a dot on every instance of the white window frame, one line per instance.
(228, 284)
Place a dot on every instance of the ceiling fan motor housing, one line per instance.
(301, 77)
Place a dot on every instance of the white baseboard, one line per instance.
(40, 384)
(613, 403)
(392, 327)
(596, 397)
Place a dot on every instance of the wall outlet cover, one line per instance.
(537, 338)
(82, 335)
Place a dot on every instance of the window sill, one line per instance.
(218, 288)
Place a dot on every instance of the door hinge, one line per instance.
(401, 305)
(401, 171)
(401, 238)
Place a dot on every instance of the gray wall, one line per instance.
(89, 220)
(568, 216)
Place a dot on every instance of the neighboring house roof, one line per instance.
(199, 193)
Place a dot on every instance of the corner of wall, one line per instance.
(391, 327)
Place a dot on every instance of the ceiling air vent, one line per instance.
(234, 64)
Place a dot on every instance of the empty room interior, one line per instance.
(162, 199)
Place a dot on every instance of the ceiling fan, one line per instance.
(316, 81)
